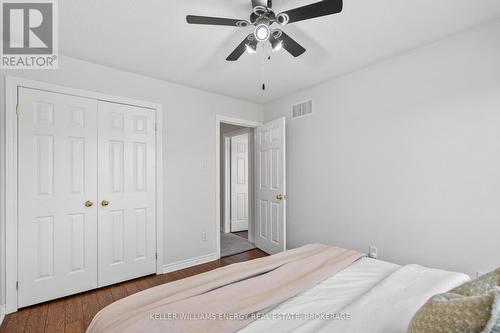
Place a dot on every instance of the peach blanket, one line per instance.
(225, 299)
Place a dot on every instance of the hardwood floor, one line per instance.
(73, 314)
(243, 234)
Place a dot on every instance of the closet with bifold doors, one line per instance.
(86, 194)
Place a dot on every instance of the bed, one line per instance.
(361, 291)
(315, 288)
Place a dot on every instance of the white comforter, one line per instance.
(377, 297)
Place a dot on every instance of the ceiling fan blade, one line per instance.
(193, 19)
(318, 9)
(240, 49)
(291, 45)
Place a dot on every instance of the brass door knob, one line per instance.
(281, 196)
(89, 203)
(105, 203)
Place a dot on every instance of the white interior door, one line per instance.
(270, 187)
(127, 236)
(57, 151)
(239, 182)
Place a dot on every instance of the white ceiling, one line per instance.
(152, 38)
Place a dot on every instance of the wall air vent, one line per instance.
(302, 109)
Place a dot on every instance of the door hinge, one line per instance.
(17, 285)
(156, 255)
(17, 108)
(156, 127)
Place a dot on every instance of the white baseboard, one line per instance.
(2, 313)
(189, 263)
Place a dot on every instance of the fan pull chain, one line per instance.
(263, 67)
(263, 79)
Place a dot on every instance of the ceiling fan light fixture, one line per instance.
(277, 45)
(263, 17)
(242, 24)
(282, 19)
(251, 48)
(262, 32)
(260, 10)
(275, 40)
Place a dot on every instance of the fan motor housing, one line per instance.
(261, 14)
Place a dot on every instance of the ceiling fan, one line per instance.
(262, 17)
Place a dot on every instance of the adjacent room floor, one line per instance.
(74, 313)
(231, 244)
(243, 234)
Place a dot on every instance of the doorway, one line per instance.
(266, 204)
(236, 196)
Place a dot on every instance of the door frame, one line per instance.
(227, 185)
(219, 119)
(227, 175)
(10, 223)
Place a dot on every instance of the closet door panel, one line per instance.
(57, 151)
(127, 192)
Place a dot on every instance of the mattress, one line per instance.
(330, 296)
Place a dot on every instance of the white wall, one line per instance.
(189, 134)
(404, 155)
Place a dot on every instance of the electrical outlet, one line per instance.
(204, 236)
(373, 252)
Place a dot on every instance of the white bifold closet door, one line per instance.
(127, 235)
(57, 149)
(86, 194)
